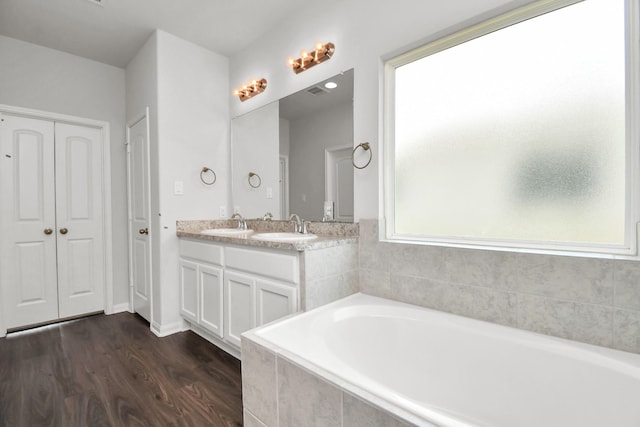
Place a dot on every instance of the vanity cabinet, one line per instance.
(252, 300)
(201, 285)
(227, 290)
(260, 286)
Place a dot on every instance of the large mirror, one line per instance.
(299, 152)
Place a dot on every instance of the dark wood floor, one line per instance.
(113, 371)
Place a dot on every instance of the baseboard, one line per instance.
(165, 330)
(121, 308)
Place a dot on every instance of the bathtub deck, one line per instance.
(433, 368)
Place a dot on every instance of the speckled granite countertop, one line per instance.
(329, 233)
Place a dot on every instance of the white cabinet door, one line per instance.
(274, 300)
(79, 221)
(239, 305)
(211, 299)
(28, 229)
(189, 290)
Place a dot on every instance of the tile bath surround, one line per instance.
(592, 300)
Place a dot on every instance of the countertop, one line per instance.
(329, 233)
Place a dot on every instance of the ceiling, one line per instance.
(113, 31)
(317, 97)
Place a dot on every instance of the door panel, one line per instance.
(27, 200)
(239, 307)
(140, 244)
(189, 290)
(79, 219)
(274, 300)
(211, 300)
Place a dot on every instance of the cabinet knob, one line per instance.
(48, 231)
(63, 230)
(143, 231)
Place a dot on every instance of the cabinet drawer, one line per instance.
(283, 266)
(207, 252)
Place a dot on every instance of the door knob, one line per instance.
(143, 231)
(63, 230)
(48, 231)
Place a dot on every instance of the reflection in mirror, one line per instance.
(301, 149)
(316, 141)
(254, 142)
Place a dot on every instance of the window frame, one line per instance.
(629, 249)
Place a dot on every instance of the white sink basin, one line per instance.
(284, 237)
(225, 231)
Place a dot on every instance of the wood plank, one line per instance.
(112, 370)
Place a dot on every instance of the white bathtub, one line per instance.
(446, 370)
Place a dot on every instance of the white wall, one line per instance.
(142, 92)
(309, 137)
(193, 131)
(363, 32)
(255, 149)
(186, 89)
(33, 76)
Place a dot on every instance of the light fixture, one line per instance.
(249, 90)
(321, 53)
(331, 85)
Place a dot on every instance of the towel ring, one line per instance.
(366, 147)
(252, 181)
(205, 170)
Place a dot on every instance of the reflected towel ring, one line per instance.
(366, 147)
(210, 181)
(252, 181)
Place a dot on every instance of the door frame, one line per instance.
(144, 115)
(105, 184)
(328, 176)
(283, 162)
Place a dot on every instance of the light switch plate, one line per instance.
(269, 193)
(178, 188)
(223, 211)
(328, 209)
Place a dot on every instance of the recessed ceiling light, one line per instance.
(331, 85)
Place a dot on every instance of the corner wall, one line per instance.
(186, 89)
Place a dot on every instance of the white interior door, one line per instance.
(79, 219)
(28, 243)
(339, 182)
(139, 216)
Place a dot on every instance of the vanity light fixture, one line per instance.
(249, 90)
(320, 53)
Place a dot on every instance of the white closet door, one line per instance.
(79, 219)
(27, 251)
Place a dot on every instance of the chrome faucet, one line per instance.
(242, 224)
(267, 217)
(297, 225)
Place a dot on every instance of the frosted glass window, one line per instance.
(516, 135)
